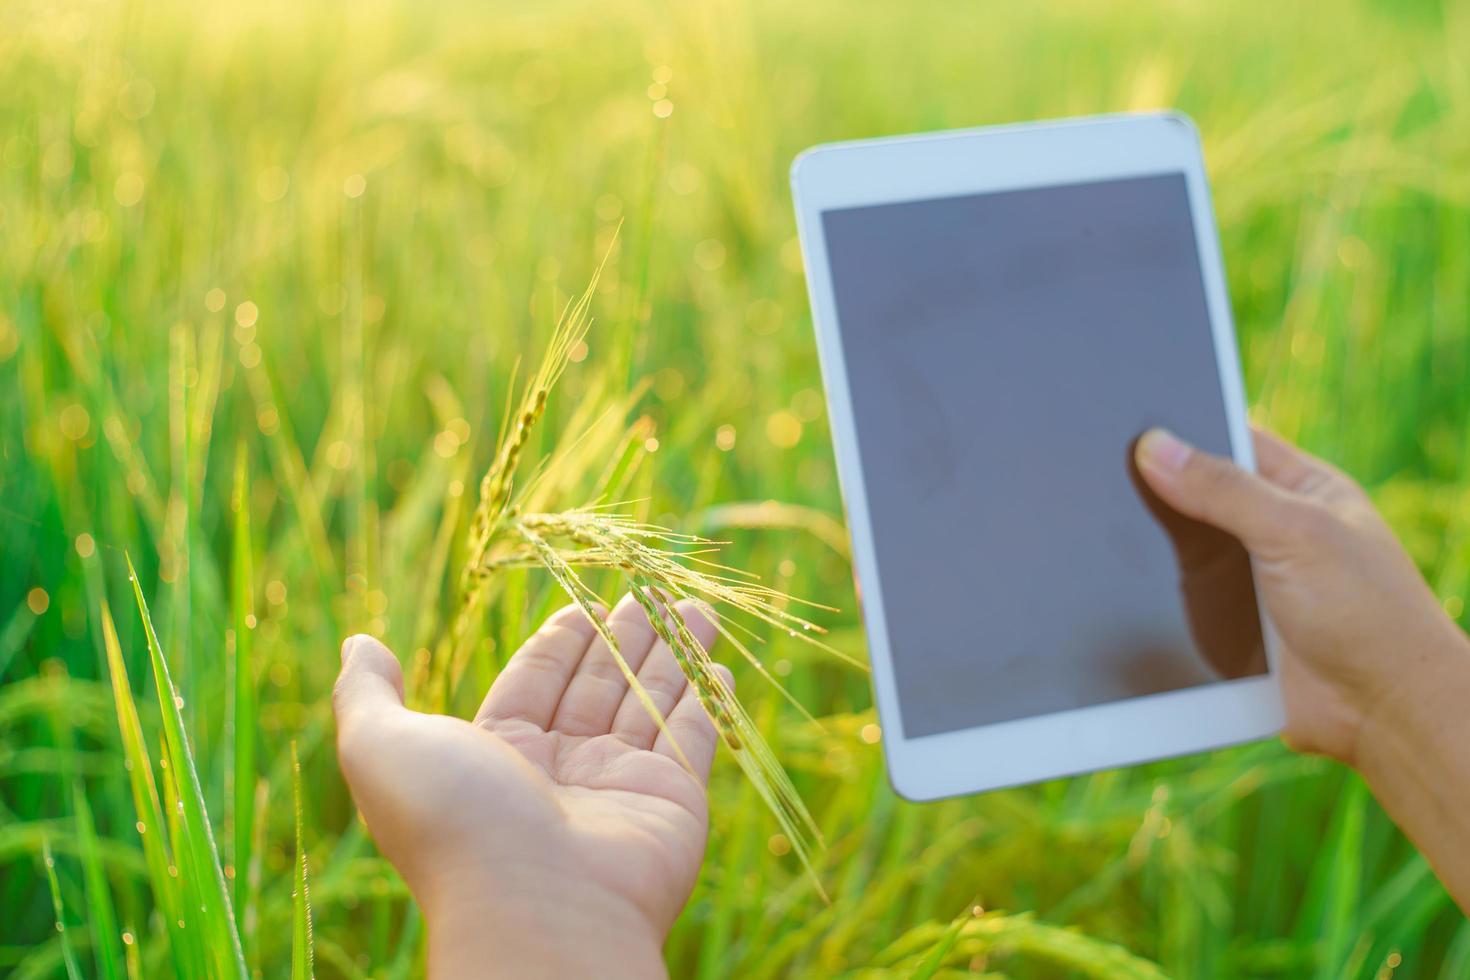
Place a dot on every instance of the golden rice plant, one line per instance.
(976, 938)
(522, 521)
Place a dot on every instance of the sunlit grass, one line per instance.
(266, 275)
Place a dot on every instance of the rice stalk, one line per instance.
(741, 735)
(934, 959)
(586, 600)
(496, 486)
(528, 526)
(978, 934)
(301, 942)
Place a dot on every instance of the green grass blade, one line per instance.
(190, 926)
(102, 916)
(1340, 898)
(203, 864)
(68, 955)
(257, 849)
(243, 709)
(409, 959)
(187, 950)
(1457, 956)
(301, 947)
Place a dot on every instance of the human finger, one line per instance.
(535, 680)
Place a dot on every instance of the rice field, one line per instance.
(271, 275)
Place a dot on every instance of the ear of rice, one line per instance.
(584, 598)
(530, 527)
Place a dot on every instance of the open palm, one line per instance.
(562, 790)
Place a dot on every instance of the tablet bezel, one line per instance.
(953, 164)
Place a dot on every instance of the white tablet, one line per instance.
(1000, 314)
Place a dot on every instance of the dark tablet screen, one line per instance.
(1003, 352)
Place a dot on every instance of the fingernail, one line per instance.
(1162, 450)
(347, 646)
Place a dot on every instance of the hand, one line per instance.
(1216, 584)
(557, 834)
(1355, 616)
(1372, 671)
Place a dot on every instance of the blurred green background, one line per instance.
(321, 235)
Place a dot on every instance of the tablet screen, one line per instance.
(1003, 352)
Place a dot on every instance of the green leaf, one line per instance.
(243, 708)
(99, 898)
(201, 864)
(187, 948)
(68, 955)
(1341, 898)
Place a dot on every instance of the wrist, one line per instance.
(527, 928)
(1425, 703)
(1415, 756)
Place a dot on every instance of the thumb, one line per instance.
(1213, 489)
(370, 685)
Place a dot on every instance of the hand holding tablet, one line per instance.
(1000, 314)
